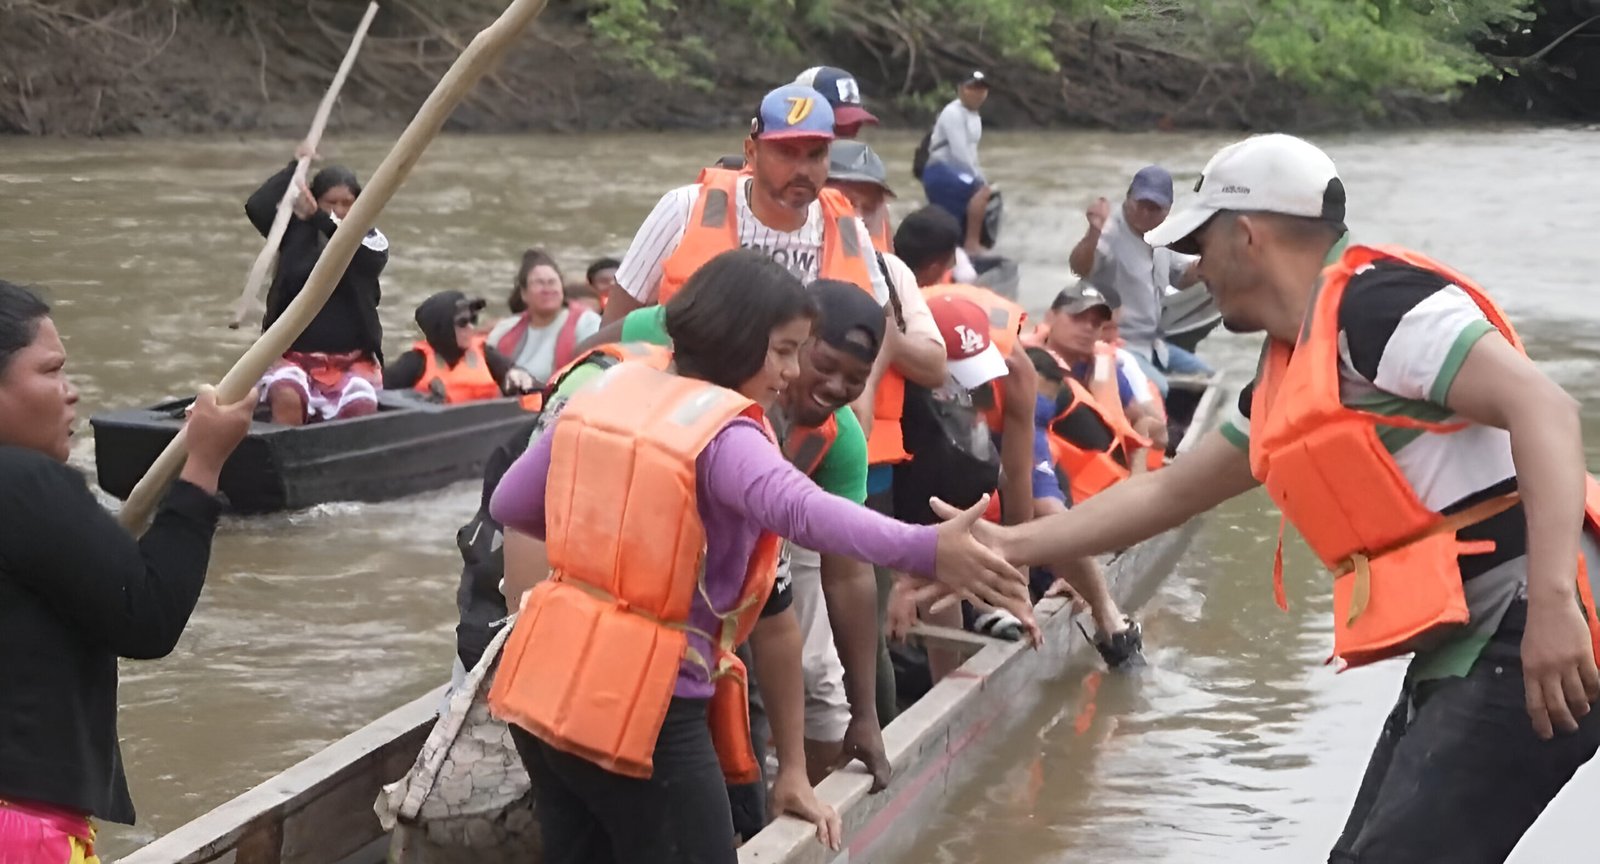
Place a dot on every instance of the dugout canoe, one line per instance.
(321, 810)
(408, 446)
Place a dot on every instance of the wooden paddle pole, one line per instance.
(249, 299)
(481, 55)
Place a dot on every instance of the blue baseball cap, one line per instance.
(793, 111)
(1154, 184)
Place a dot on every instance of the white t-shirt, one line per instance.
(919, 318)
(955, 137)
(538, 352)
(798, 251)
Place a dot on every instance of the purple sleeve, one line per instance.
(742, 471)
(518, 501)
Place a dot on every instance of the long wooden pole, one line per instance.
(481, 55)
(251, 295)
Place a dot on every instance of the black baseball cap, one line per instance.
(843, 308)
(1080, 296)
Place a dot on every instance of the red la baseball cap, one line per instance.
(973, 358)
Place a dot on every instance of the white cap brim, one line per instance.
(979, 369)
(1176, 230)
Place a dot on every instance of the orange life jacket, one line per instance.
(566, 340)
(1090, 444)
(804, 447)
(467, 381)
(1397, 581)
(592, 661)
(1107, 393)
(883, 235)
(713, 228)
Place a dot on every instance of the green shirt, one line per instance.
(843, 470)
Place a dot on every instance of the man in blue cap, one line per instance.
(1114, 257)
(777, 206)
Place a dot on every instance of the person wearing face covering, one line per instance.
(453, 363)
(331, 371)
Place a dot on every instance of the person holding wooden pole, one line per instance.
(77, 592)
(332, 370)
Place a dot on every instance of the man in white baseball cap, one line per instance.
(1432, 468)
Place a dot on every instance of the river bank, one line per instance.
(90, 68)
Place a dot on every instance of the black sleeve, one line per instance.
(1373, 305)
(404, 371)
(135, 596)
(498, 365)
(262, 205)
(782, 596)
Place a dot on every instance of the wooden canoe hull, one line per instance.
(409, 446)
(321, 810)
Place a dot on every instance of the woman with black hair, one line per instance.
(545, 326)
(661, 497)
(77, 592)
(332, 369)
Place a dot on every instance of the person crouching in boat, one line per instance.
(661, 496)
(77, 592)
(544, 329)
(331, 371)
(453, 363)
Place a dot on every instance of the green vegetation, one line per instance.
(1349, 52)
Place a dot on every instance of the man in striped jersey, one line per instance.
(1450, 502)
(775, 207)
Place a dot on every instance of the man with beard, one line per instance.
(778, 207)
(1431, 467)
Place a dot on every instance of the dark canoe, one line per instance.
(321, 810)
(409, 446)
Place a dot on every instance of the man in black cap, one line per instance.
(953, 179)
(1072, 327)
(823, 438)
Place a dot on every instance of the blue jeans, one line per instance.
(1179, 362)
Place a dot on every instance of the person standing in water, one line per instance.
(1434, 470)
(332, 369)
(644, 784)
(77, 593)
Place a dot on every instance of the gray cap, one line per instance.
(851, 161)
(1080, 297)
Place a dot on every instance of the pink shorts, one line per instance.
(330, 386)
(33, 833)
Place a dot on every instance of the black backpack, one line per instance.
(919, 159)
(952, 453)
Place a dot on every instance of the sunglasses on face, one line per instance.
(467, 320)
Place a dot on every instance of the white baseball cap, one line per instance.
(1274, 173)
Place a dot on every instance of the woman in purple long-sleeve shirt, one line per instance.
(739, 323)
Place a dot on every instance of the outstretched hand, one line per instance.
(967, 563)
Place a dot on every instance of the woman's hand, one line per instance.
(792, 794)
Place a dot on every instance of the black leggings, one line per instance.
(588, 815)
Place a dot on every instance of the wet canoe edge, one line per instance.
(321, 810)
(407, 447)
